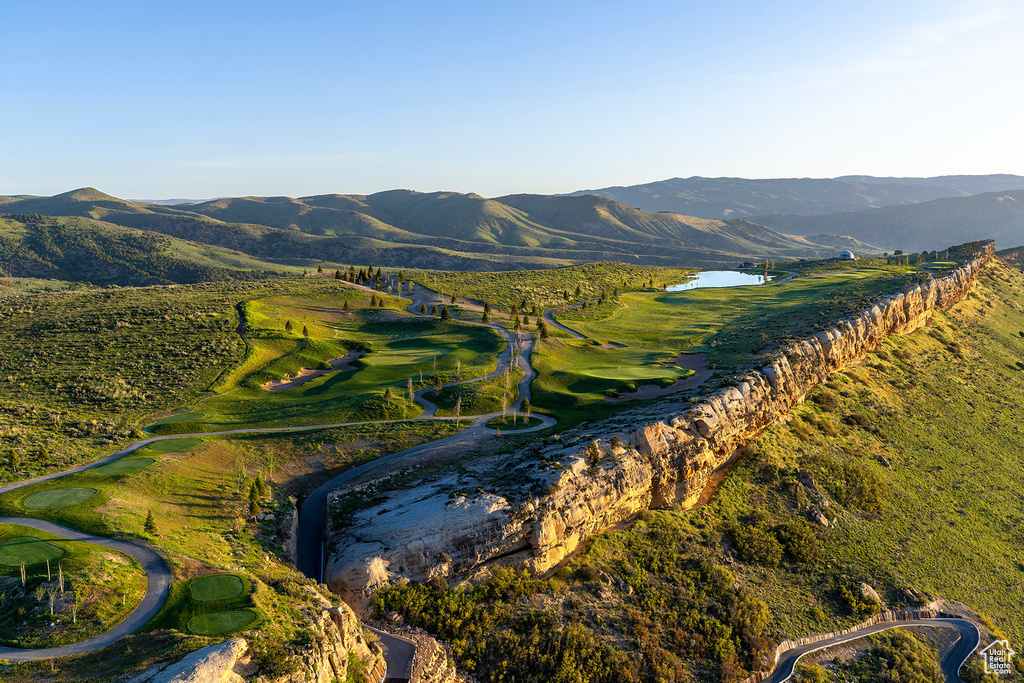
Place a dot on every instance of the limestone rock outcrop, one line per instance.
(567, 493)
(219, 663)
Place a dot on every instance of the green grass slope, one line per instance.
(84, 250)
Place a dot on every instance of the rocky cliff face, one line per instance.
(574, 489)
(338, 634)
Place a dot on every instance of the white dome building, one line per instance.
(847, 255)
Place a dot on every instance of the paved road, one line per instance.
(549, 316)
(399, 653)
(158, 583)
(951, 665)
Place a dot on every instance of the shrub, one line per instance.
(799, 541)
(757, 545)
(825, 399)
(857, 420)
(863, 606)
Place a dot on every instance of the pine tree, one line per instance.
(578, 291)
(423, 309)
(337, 274)
(387, 396)
(542, 328)
(486, 318)
(254, 509)
(373, 301)
(305, 332)
(433, 310)
(445, 315)
(320, 270)
(437, 383)
(345, 307)
(487, 308)
(288, 326)
(262, 490)
(150, 525)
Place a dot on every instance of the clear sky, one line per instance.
(201, 99)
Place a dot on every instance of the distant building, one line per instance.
(847, 256)
(746, 264)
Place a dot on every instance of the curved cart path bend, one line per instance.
(158, 583)
(965, 646)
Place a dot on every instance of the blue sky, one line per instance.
(203, 99)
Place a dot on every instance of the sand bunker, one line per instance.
(687, 361)
(306, 375)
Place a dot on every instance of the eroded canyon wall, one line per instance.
(582, 486)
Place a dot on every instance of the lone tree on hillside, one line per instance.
(320, 270)
(445, 315)
(150, 525)
(305, 332)
(387, 396)
(254, 509)
(433, 310)
(288, 327)
(345, 307)
(13, 459)
(437, 383)
(423, 309)
(542, 328)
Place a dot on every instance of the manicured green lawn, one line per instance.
(737, 327)
(27, 550)
(215, 587)
(174, 445)
(59, 498)
(217, 623)
(124, 466)
(398, 347)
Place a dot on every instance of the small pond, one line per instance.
(719, 278)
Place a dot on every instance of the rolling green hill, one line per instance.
(84, 250)
(439, 230)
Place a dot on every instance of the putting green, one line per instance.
(216, 587)
(174, 445)
(28, 549)
(57, 499)
(221, 622)
(124, 466)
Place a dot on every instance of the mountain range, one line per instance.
(446, 230)
(749, 198)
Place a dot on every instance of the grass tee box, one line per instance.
(27, 550)
(210, 605)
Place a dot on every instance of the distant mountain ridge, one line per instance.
(440, 229)
(929, 225)
(747, 198)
